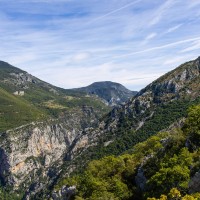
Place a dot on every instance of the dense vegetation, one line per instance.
(7, 195)
(167, 161)
(125, 137)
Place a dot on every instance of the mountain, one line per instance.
(39, 124)
(67, 128)
(23, 92)
(112, 93)
(149, 165)
(154, 108)
(165, 166)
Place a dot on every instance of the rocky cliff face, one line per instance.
(65, 193)
(194, 184)
(175, 84)
(33, 147)
(31, 155)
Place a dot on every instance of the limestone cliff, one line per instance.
(31, 155)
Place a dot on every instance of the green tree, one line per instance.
(192, 125)
(174, 172)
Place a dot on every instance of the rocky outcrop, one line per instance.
(23, 78)
(140, 179)
(176, 83)
(194, 184)
(65, 193)
(19, 93)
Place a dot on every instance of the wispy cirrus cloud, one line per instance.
(148, 38)
(124, 41)
(194, 46)
(161, 11)
(163, 47)
(114, 11)
(174, 28)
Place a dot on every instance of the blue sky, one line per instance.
(72, 43)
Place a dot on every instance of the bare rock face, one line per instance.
(35, 147)
(32, 155)
(65, 193)
(140, 179)
(194, 184)
(22, 78)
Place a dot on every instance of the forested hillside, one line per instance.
(165, 166)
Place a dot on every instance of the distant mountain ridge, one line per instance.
(112, 93)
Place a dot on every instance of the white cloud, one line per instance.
(149, 37)
(195, 46)
(114, 11)
(80, 57)
(158, 15)
(173, 60)
(174, 28)
(158, 47)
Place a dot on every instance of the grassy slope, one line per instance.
(38, 103)
(15, 111)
